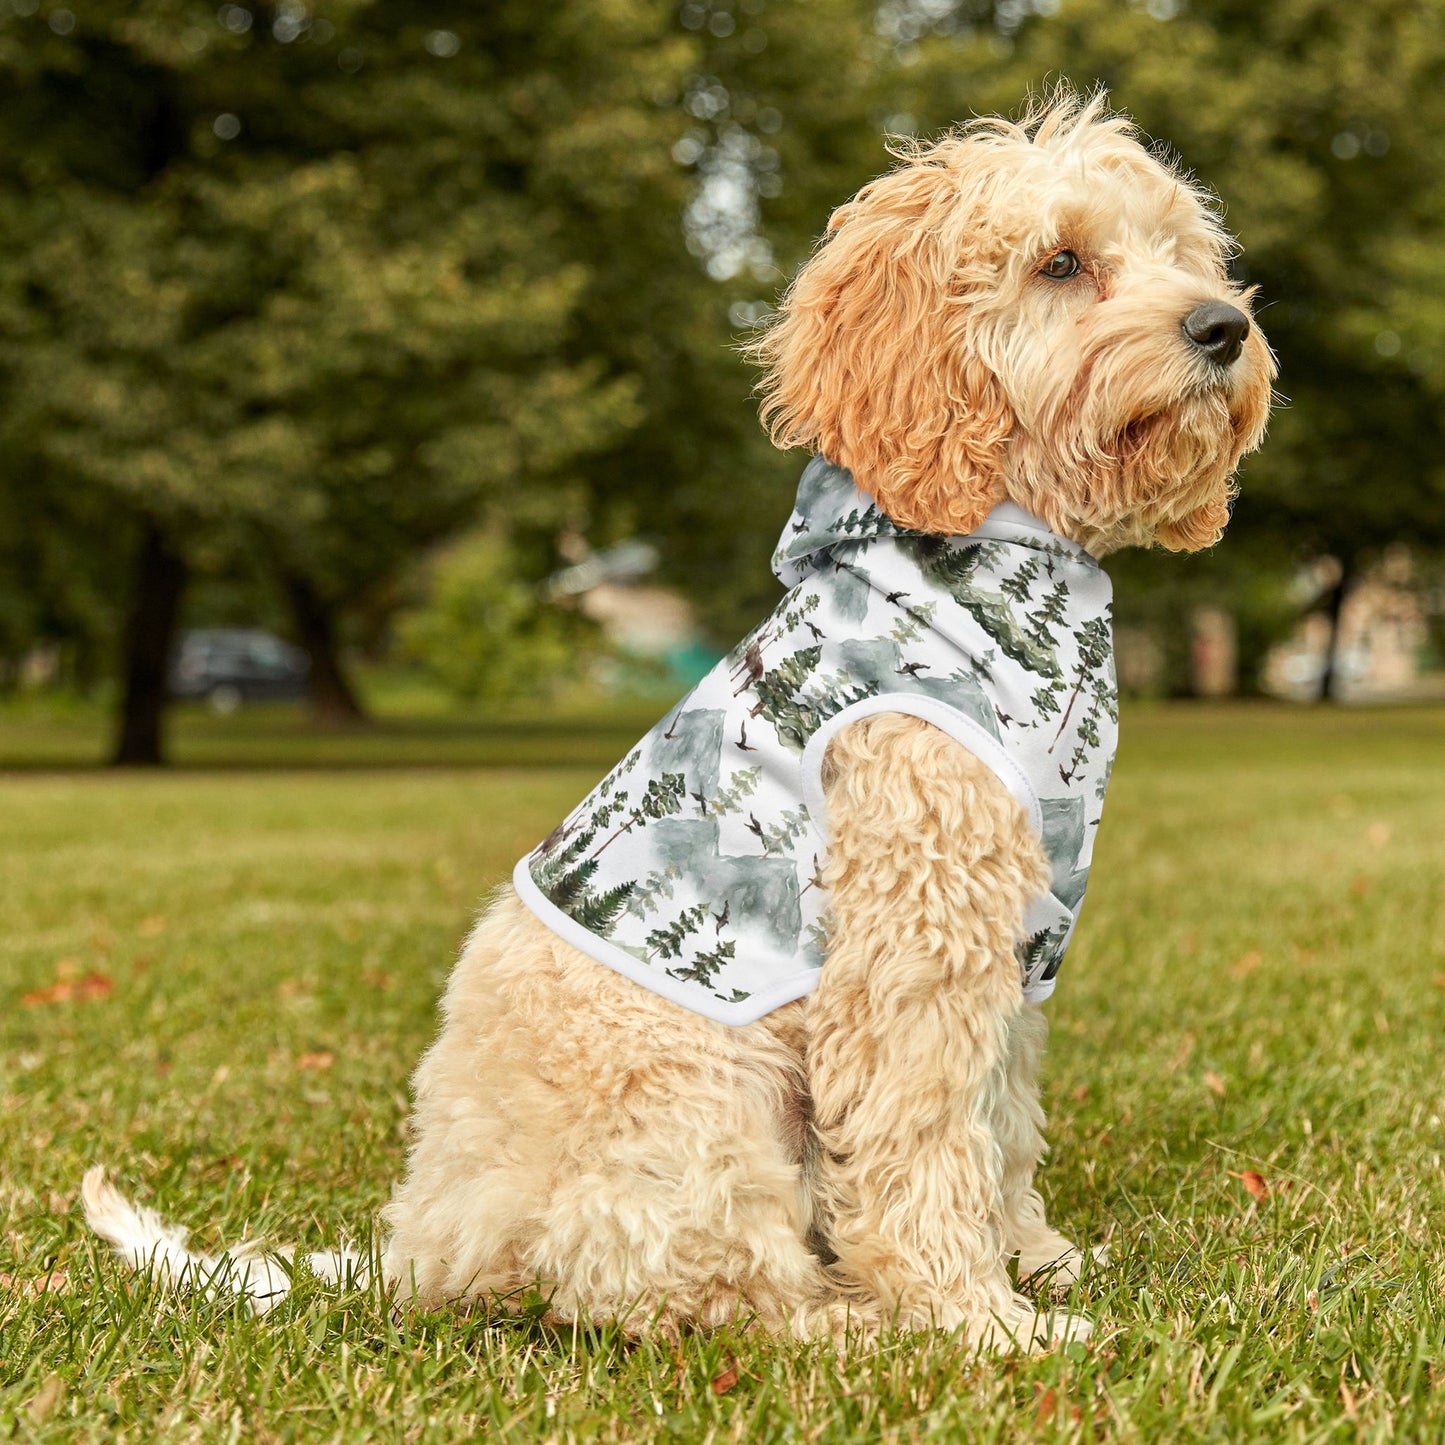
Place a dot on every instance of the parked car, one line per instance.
(230, 665)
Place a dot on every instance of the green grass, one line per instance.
(1256, 986)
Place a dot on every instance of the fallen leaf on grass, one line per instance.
(1046, 1408)
(151, 927)
(1360, 885)
(67, 990)
(56, 1282)
(378, 979)
(1440, 980)
(1255, 1184)
(1079, 1094)
(723, 1382)
(1214, 1083)
(1247, 963)
(1378, 834)
(322, 1059)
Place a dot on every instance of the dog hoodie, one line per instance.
(695, 867)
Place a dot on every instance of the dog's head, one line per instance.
(1037, 311)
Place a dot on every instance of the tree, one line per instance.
(310, 287)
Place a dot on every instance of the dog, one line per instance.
(765, 1042)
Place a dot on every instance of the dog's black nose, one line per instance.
(1218, 330)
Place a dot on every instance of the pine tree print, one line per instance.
(1037, 948)
(704, 966)
(1095, 683)
(1016, 586)
(562, 876)
(797, 710)
(663, 799)
(1043, 625)
(914, 622)
(792, 824)
(667, 942)
(954, 567)
(796, 615)
(598, 912)
(730, 797)
(655, 886)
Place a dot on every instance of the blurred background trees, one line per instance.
(292, 295)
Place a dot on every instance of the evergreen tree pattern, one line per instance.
(562, 875)
(791, 824)
(644, 898)
(662, 798)
(598, 912)
(705, 965)
(1044, 624)
(1040, 953)
(730, 798)
(1095, 681)
(798, 614)
(797, 703)
(913, 623)
(954, 566)
(668, 942)
(1016, 586)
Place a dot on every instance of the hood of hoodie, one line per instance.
(832, 511)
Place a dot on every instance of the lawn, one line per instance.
(216, 980)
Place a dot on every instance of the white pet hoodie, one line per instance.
(695, 866)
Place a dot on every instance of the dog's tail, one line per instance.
(147, 1243)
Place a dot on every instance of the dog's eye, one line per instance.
(1060, 266)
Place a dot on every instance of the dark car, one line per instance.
(231, 665)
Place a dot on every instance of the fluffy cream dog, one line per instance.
(1037, 313)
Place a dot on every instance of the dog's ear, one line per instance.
(873, 359)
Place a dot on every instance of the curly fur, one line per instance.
(865, 1156)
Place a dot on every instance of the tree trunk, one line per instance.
(1334, 609)
(333, 700)
(160, 579)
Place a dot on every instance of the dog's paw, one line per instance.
(1023, 1326)
(1058, 1270)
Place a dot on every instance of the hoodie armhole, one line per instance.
(961, 728)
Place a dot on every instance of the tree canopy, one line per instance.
(300, 290)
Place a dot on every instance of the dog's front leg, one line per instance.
(930, 866)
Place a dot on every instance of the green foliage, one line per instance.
(320, 289)
(484, 633)
(327, 286)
